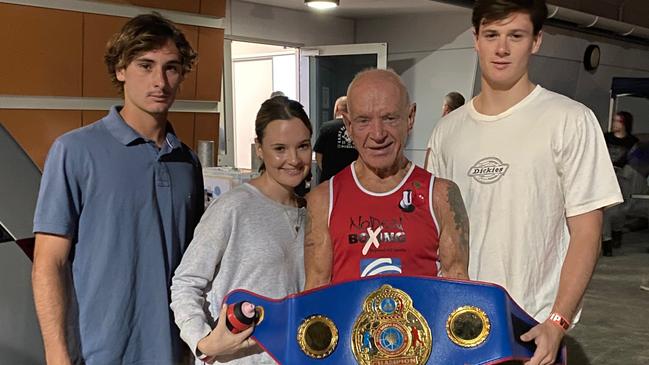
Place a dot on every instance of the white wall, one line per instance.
(253, 82)
(282, 25)
(434, 54)
(558, 67)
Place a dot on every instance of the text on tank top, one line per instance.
(383, 233)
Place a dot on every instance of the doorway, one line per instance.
(315, 76)
(258, 70)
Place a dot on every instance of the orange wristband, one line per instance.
(559, 320)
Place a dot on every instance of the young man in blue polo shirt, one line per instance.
(118, 203)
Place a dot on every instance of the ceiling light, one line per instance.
(322, 4)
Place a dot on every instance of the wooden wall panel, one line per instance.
(91, 116)
(189, 6)
(188, 87)
(213, 7)
(210, 64)
(183, 124)
(97, 30)
(207, 7)
(206, 127)
(42, 51)
(36, 130)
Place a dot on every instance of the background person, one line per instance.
(619, 142)
(452, 101)
(334, 149)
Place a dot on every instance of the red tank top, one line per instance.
(382, 233)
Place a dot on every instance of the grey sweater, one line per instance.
(244, 240)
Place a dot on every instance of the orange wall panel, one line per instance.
(207, 7)
(207, 128)
(188, 87)
(183, 124)
(36, 130)
(213, 7)
(210, 64)
(189, 6)
(91, 116)
(97, 30)
(42, 51)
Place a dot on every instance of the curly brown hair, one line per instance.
(144, 33)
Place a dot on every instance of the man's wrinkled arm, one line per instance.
(50, 285)
(453, 229)
(317, 242)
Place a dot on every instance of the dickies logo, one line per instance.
(488, 170)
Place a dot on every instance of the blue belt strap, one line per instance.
(379, 339)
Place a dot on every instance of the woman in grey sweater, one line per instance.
(250, 238)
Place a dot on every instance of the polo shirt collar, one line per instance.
(127, 135)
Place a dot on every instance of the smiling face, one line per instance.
(504, 48)
(379, 119)
(286, 151)
(151, 80)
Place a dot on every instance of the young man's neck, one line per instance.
(151, 127)
(494, 100)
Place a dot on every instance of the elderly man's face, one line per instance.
(378, 121)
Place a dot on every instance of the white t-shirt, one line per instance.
(521, 173)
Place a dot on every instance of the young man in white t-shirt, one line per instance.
(535, 174)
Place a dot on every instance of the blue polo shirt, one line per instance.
(130, 209)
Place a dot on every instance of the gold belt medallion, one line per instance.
(390, 331)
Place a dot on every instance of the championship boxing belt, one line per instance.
(390, 320)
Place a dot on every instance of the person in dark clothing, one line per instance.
(619, 141)
(334, 148)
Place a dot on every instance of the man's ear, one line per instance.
(411, 116)
(538, 39)
(347, 121)
(120, 74)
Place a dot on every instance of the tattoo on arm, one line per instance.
(308, 231)
(460, 216)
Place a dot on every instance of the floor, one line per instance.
(614, 327)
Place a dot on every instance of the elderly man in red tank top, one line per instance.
(382, 214)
